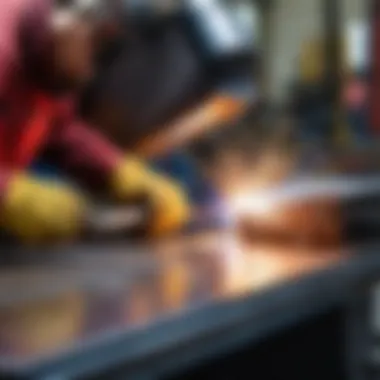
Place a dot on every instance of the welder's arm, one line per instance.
(217, 111)
(85, 155)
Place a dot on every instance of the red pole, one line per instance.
(374, 82)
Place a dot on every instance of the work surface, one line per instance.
(77, 311)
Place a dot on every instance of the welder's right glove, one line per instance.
(167, 200)
(38, 211)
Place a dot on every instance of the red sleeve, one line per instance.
(19, 19)
(14, 16)
(84, 154)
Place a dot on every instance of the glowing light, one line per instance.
(252, 204)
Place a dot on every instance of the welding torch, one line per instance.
(115, 221)
(131, 220)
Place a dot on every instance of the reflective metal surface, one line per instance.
(68, 297)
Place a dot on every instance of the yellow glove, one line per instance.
(171, 210)
(39, 211)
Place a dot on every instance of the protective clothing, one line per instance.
(36, 122)
(38, 211)
(170, 208)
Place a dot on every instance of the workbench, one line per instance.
(141, 312)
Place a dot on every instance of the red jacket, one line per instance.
(32, 122)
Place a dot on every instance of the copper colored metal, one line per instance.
(317, 223)
(325, 211)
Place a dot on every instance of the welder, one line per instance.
(46, 54)
(181, 71)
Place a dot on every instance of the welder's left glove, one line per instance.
(168, 201)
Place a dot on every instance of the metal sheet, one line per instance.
(71, 298)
